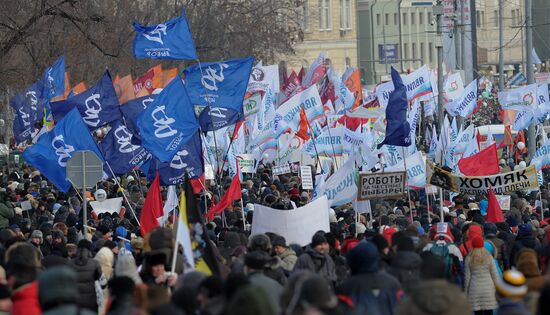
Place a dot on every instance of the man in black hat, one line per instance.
(286, 256)
(255, 265)
(316, 258)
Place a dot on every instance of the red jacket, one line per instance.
(25, 300)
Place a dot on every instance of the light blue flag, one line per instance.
(168, 122)
(54, 149)
(168, 40)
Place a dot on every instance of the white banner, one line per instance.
(416, 170)
(381, 185)
(288, 114)
(251, 105)
(417, 83)
(341, 187)
(281, 169)
(465, 104)
(297, 226)
(246, 163)
(522, 98)
(453, 86)
(329, 142)
(107, 206)
(263, 78)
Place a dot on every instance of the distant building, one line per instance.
(541, 29)
(329, 26)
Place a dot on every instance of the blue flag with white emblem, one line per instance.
(54, 149)
(98, 105)
(54, 79)
(168, 122)
(168, 40)
(220, 86)
(187, 160)
(397, 126)
(28, 106)
(122, 150)
(131, 109)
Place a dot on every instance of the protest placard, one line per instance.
(381, 185)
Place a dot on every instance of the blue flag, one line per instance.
(187, 160)
(131, 109)
(397, 126)
(219, 84)
(214, 118)
(54, 79)
(28, 106)
(168, 40)
(168, 122)
(121, 150)
(53, 150)
(98, 105)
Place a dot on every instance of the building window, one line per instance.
(413, 18)
(395, 19)
(325, 16)
(378, 19)
(404, 19)
(422, 51)
(406, 50)
(495, 17)
(345, 14)
(516, 18)
(387, 19)
(420, 18)
(429, 18)
(478, 18)
(430, 52)
(348, 62)
(305, 16)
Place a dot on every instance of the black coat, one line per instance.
(405, 267)
(88, 271)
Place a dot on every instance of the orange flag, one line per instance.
(508, 140)
(167, 76)
(117, 77)
(303, 131)
(66, 92)
(146, 81)
(157, 76)
(79, 88)
(520, 138)
(124, 88)
(353, 83)
(508, 117)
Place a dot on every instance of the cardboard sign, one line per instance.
(296, 225)
(108, 205)
(307, 178)
(523, 179)
(381, 185)
(246, 163)
(281, 169)
(504, 201)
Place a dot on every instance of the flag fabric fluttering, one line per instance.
(303, 132)
(397, 126)
(494, 211)
(132, 109)
(168, 122)
(152, 209)
(183, 235)
(169, 40)
(54, 149)
(484, 163)
(232, 193)
(98, 105)
(29, 110)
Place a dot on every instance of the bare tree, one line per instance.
(96, 35)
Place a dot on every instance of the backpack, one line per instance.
(442, 251)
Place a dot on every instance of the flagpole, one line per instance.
(242, 214)
(330, 135)
(175, 255)
(313, 140)
(428, 203)
(123, 192)
(406, 178)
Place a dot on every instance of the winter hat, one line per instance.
(37, 234)
(318, 239)
(477, 242)
(85, 244)
(56, 286)
(489, 229)
(442, 231)
(250, 301)
(317, 292)
(527, 262)
(360, 228)
(126, 266)
(257, 260)
(278, 241)
(363, 258)
(405, 243)
(512, 284)
(524, 229)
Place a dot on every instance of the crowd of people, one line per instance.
(400, 259)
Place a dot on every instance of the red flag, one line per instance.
(508, 140)
(494, 212)
(197, 184)
(481, 164)
(303, 131)
(152, 208)
(232, 193)
(478, 139)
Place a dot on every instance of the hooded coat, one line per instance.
(525, 238)
(436, 296)
(372, 290)
(318, 263)
(88, 271)
(405, 266)
(479, 283)
(6, 211)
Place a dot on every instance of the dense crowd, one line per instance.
(400, 259)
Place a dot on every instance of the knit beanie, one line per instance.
(512, 284)
(477, 242)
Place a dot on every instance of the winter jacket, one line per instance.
(271, 287)
(405, 267)
(88, 271)
(502, 252)
(434, 297)
(372, 293)
(522, 241)
(479, 284)
(318, 263)
(25, 300)
(287, 259)
(6, 213)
